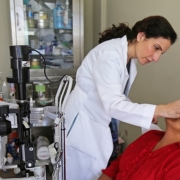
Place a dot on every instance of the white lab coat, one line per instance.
(97, 97)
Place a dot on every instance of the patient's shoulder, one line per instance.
(146, 139)
(152, 134)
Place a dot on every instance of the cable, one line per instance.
(45, 67)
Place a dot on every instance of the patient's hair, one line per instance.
(152, 26)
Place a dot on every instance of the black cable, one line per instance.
(45, 68)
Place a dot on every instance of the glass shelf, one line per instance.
(57, 30)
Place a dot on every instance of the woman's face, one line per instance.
(149, 50)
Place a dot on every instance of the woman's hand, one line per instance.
(171, 110)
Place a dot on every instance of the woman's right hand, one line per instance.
(170, 110)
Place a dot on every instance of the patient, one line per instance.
(153, 156)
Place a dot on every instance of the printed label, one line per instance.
(40, 88)
(30, 15)
(43, 17)
(36, 16)
(58, 13)
(1, 96)
(25, 64)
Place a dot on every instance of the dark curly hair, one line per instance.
(152, 26)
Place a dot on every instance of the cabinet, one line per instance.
(62, 47)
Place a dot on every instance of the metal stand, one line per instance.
(20, 76)
(62, 94)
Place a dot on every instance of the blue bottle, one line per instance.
(58, 16)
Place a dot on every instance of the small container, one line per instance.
(10, 159)
(5, 90)
(43, 21)
(36, 18)
(43, 95)
(41, 89)
(30, 18)
(35, 64)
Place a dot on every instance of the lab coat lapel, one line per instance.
(132, 75)
(125, 81)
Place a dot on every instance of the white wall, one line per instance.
(5, 39)
(88, 25)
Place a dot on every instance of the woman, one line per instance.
(101, 90)
(154, 155)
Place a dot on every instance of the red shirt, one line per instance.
(139, 162)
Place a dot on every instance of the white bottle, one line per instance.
(25, 25)
(30, 18)
(12, 91)
(5, 91)
(51, 19)
(65, 16)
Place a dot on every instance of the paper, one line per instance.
(152, 127)
(11, 105)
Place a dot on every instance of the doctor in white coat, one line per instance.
(99, 96)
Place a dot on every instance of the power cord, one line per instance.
(45, 67)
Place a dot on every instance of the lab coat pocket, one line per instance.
(72, 125)
(87, 148)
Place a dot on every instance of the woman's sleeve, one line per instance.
(113, 169)
(109, 78)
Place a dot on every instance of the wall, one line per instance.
(88, 26)
(5, 39)
(95, 21)
(156, 83)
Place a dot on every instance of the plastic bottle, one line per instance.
(1, 84)
(69, 19)
(51, 19)
(30, 19)
(25, 25)
(58, 15)
(44, 45)
(5, 91)
(65, 17)
(40, 44)
(12, 93)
